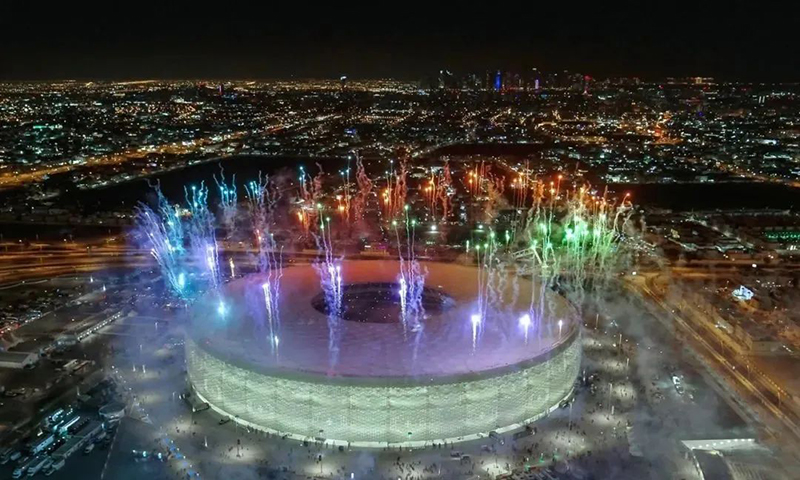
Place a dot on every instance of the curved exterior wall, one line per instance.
(372, 412)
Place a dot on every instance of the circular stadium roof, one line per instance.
(373, 345)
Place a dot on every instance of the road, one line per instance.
(21, 262)
(727, 363)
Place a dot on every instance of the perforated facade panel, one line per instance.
(354, 411)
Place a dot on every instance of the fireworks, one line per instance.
(163, 246)
(271, 291)
(261, 199)
(228, 203)
(475, 321)
(329, 269)
(525, 324)
(364, 190)
(566, 237)
(201, 232)
(412, 277)
(576, 237)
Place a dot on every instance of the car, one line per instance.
(6, 456)
(56, 466)
(88, 448)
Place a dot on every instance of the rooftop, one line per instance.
(372, 340)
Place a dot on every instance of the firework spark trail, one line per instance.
(477, 326)
(163, 248)
(329, 270)
(310, 197)
(411, 279)
(228, 203)
(313, 200)
(444, 191)
(478, 317)
(490, 283)
(305, 195)
(399, 190)
(212, 262)
(271, 291)
(496, 269)
(522, 184)
(386, 196)
(430, 192)
(316, 185)
(261, 199)
(202, 237)
(306, 202)
(525, 324)
(414, 277)
(495, 201)
(364, 190)
(172, 223)
(345, 197)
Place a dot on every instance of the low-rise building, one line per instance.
(18, 360)
(69, 447)
(758, 339)
(113, 411)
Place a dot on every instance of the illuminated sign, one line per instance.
(743, 293)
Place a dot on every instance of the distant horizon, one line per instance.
(735, 41)
(134, 80)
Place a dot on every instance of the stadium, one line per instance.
(378, 381)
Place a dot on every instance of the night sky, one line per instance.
(729, 40)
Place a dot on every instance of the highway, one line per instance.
(22, 262)
(718, 341)
(755, 386)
